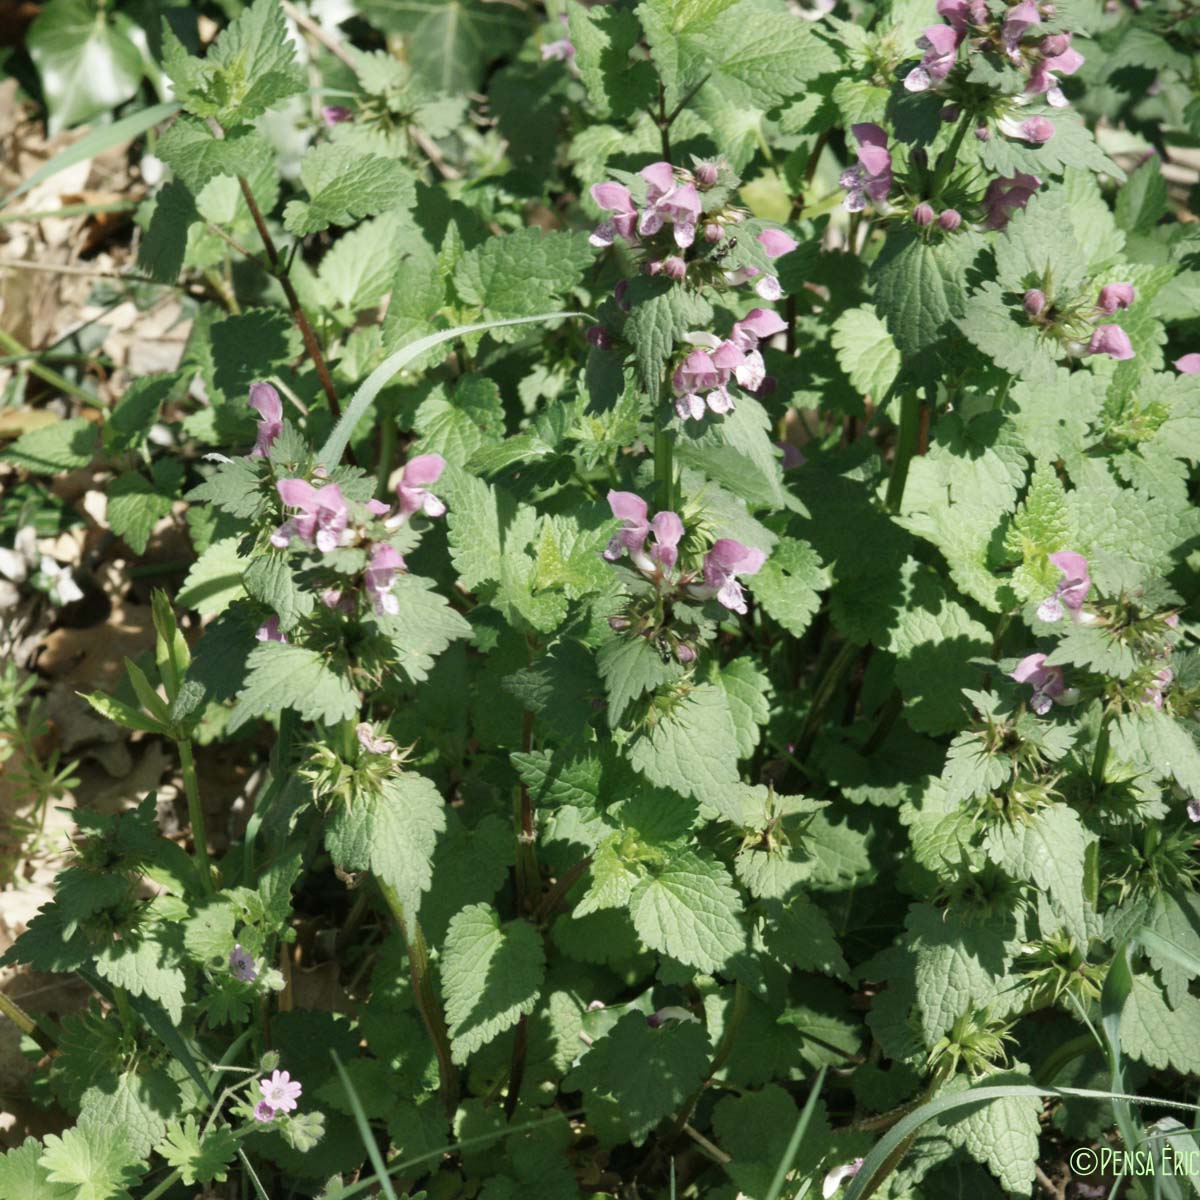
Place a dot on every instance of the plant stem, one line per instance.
(826, 689)
(949, 156)
(664, 470)
(555, 895)
(298, 314)
(516, 1069)
(25, 1023)
(387, 454)
(1101, 759)
(426, 996)
(1060, 1056)
(191, 787)
(906, 445)
(45, 374)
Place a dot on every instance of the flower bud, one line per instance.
(335, 114)
(618, 623)
(599, 337)
(1055, 44)
(713, 232)
(685, 653)
(923, 214)
(768, 387)
(950, 220)
(1035, 302)
(950, 113)
(983, 133)
(674, 267)
(706, 174)
(1114, 296)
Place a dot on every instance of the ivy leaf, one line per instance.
(690, 746)
(393, 831)
(199, 1157)
(689, 910)
(491, 976)
(343, 185)
(280, 676)
(638, 1075)
(87, 59)
(96, 1161)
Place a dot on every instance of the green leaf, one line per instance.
(491, 976)
(660, 314)
(1003, 1135)
(199, 1157)
(422, 628)
(1160, 1036)
(393, 831)
(145, 965)
(690, 746)
(920, 287)
(638, 1075)
(283, 676)
(164, 244)
(789, 584)
(1142, 201)
(1159, 744)
(62, 446)
(87, 59)
(190, 150)
(603, 39)
(458, 427)
(136, 504)
(747, 691)
(137, 1103)
(23, 1176)
(97, 1162)
(631, 667)
(343, 185)
(250, 68)
(866, 351)
(215, 579)
(690, 910)
(521, 273)
(269, 580)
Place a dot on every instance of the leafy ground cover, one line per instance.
(600, 600)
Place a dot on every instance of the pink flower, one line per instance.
(335, 114)
(1193, 811)
(666, 526)
(757, 324)
(1037, 130)
(559, 51)
(263, 1112)
(1035, 302)
(280, 1091)
(241, 965)
(940, 43)
(701, 380)
(1058, 59)
(923, 214)
(1047, 682)
(1114, 296)
(1111, 340)
(1004, 196)
(322, 519)
(835, 1178)
(382, 566)
(1153, 695)
(669, 201)
(949, 220)
(1017, 21)
(1189, 364)
(776, 242)
(1072, 589)
(370, 741)
(264, 399)
(269, 631)
(871, 180)
(673, 267)
(722, 564)
(614, 198)
(413, 489)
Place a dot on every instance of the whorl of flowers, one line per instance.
(1080, 327)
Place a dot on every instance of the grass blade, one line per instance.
(364, 1130)
(335, 446)
(96, 142)
(789, 1155)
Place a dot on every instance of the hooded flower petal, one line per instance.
(1111, 340)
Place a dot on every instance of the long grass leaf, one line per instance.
(789, 1155)
(364, 1129)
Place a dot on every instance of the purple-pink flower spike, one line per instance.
(636, 528)
(269, 631)
(383, 564)
(614, 198)
(871, 180)
(264, 399)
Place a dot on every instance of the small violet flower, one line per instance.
(1111, 340)
(241, 965)
(1072, 589)
(669, 200)
(1114, 296)
(323, 515)
(1193, 811)
(1047, 682)
(417, 475)
(1058, 58)
(1004, 196)
(280, 1092)
(756, 324)
(667, 528)
(263, 1112)
(269, 631)
(1035, 130)
(383, 564)
(614, 198)
(871, 180)
(264, 399)
(1017, 22)
(940, 43)
(835, 1178)
(671, 1013)
(722, 564)
(561, 50)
